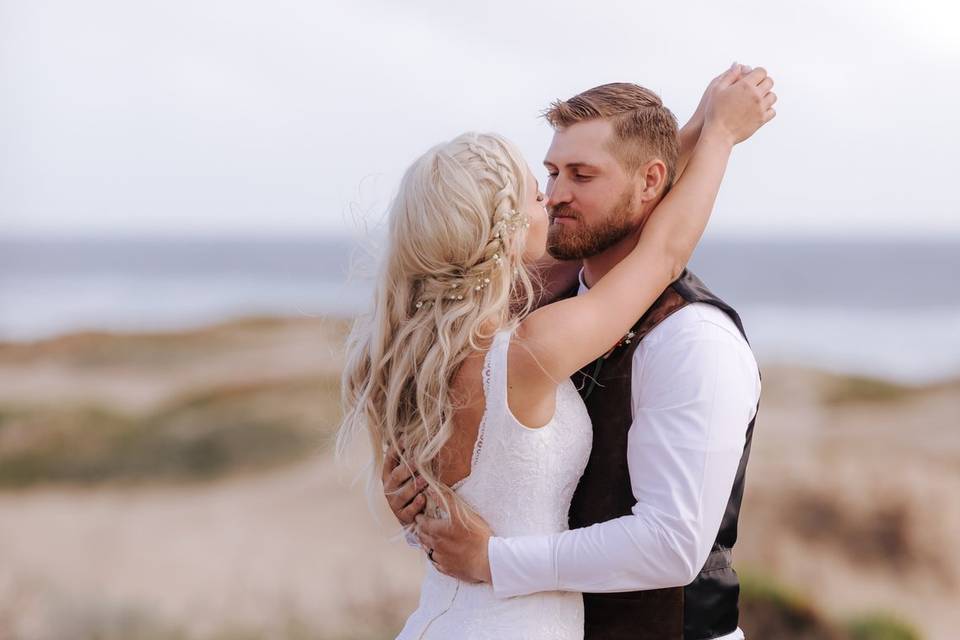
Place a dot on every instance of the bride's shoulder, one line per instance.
(522, 354)
(530, 391)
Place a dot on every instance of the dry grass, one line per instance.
(857, 389)
(239, 427)
(850, 495)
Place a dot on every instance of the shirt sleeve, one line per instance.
(693, 396)
(410, 536)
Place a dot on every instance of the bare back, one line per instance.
(533, 407)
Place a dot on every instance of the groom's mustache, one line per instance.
(564, 211)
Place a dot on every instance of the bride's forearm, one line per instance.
(678, 222)
(687, 140)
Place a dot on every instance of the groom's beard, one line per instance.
(580, 240)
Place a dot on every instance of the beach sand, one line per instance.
(850, 501)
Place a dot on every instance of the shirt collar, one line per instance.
(583, 285)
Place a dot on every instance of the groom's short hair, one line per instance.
(643, 128)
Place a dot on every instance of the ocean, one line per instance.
(886, 309)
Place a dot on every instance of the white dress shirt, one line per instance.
(695, 386)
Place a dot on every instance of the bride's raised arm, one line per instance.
(564, 336)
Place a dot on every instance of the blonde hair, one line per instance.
(447, 233)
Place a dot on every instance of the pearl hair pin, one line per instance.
(510, 222)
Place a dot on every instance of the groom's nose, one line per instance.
(557, 193)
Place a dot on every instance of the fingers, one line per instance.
(408, 501)
(769, 115)
(765, 85)
(403, 488)
(756, 76)
(436, 529)
(728, 77)
(432, 544)
(399, 475)
(427, 529)
(431, 526)
(427, 541)
(437, 559)
(412, 510)
(408, 490)
(718, 79)
(390, 462)
(769, 99)
(433, 493)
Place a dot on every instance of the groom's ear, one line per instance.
(651, 180)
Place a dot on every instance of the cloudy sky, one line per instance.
(198, 117)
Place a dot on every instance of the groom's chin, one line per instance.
(559, 251)
(554, 247)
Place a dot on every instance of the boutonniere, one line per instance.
(627, 339)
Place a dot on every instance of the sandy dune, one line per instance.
(851, 501)
(247, 552)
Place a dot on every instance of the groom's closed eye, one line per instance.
(580, 177)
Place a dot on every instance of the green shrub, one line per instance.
(881, 626)
(856, 389)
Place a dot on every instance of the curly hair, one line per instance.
(451, 244)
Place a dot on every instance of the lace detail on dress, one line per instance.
(486, 375)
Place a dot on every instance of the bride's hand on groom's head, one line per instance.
(734, 71)
(740, 103)
(403, 488)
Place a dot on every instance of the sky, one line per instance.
(216, 118)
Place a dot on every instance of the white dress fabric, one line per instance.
(521, 482)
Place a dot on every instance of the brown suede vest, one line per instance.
(708, 607)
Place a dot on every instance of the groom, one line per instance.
(654, 517)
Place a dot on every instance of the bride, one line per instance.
(454, 371)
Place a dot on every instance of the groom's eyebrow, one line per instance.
(573, 165)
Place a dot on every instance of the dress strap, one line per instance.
(495, 374)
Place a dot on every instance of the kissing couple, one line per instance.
(570, 458)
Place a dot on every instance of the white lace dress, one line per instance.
(521, 482)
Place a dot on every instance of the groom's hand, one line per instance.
(403, 489)
(457, 544)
